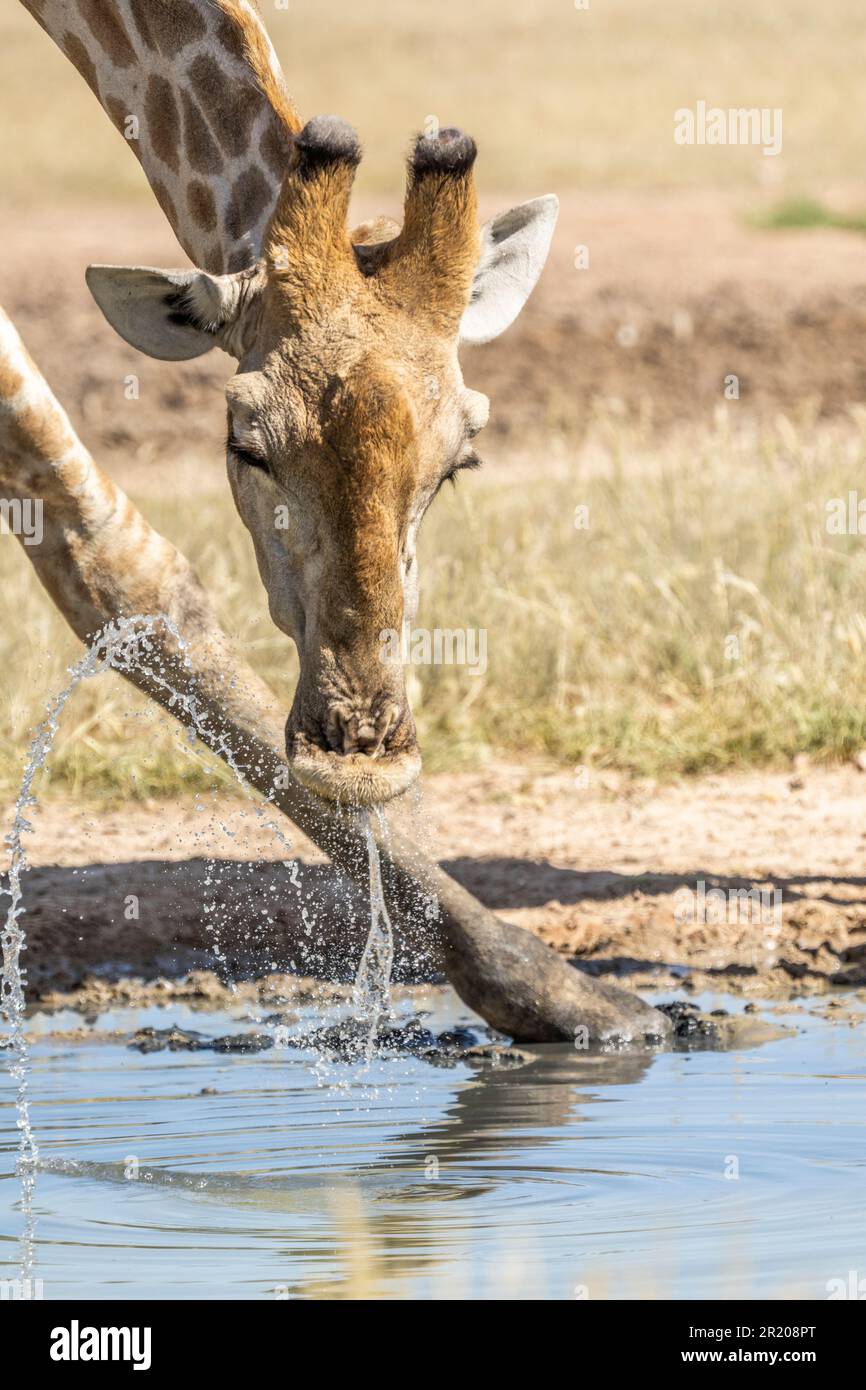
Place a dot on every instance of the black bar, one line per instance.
(220, 1339)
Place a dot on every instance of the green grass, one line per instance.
(705, 620)
(799, 214)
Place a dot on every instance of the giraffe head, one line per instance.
(347, 413)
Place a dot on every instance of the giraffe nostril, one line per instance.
(366, 738)
(349, 731)
(334, 730)
(390, 722)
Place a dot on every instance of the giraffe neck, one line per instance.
(89, 532)
(196, 89)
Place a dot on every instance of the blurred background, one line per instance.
(610, 644)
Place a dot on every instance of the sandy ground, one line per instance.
(680, 293)
(609, 875)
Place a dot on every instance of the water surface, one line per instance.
(708, 1175)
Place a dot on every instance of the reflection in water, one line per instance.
(495, 1116)
(605, 1176)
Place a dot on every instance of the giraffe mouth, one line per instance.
(351, 779)
(347, 745)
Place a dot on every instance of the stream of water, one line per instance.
(372, 993)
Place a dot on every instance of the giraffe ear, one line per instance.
(170, 314)
(514, 248)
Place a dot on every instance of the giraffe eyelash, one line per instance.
(252, 460)
(470, 461)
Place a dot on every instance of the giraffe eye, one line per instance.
(246, 455)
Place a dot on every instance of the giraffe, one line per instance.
(100, 559)
(348, 409)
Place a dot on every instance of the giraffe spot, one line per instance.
(240, 259)
(276, 148)
(167, 28)
(201, 204)
(208, 79)
(237, 102)
(229, 31)
(202, 151)
(11, 380)
(120, 115)
(163, 121)
(108, 30)
(140, 11)
(211, 258)
(165, 200)
(117, 111)
(40, 431)
(79, 56)
(250, 196)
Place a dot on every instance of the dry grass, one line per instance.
(606, 646)
(609, 646)
(557, 97)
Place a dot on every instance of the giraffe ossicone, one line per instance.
(333, 423)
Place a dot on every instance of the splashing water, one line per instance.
(122, 646)
(372, 992)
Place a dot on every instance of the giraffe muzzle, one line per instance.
(353, 779)
(353, 751)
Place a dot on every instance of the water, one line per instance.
(372, 993)
(116, 647)
(573, 1176)
(285, 1174)
(124, 645)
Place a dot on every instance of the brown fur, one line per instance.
(35, 429)
(249, 198)
(248, 43)
(11, 380)
(339, 353)
(167, 26)
(202, 205)
(109, 32)
(81, 59)
(432, 262)
(163, 120)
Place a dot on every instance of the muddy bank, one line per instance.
(279, 1012)
(748, 885)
